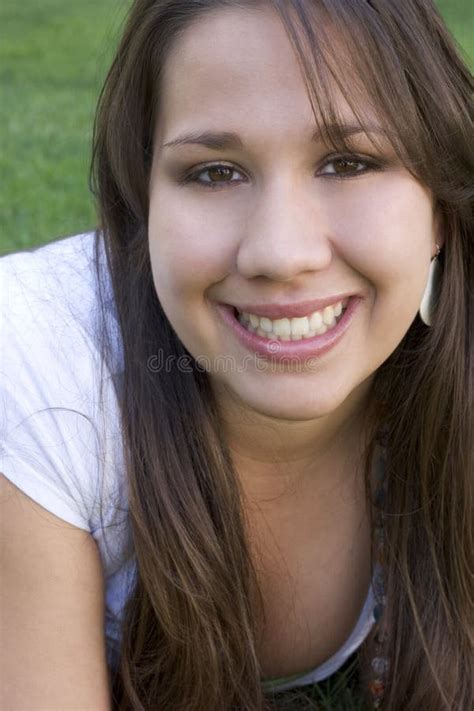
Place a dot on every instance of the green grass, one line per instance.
(336, 693)
(53, 57)
(459, 16)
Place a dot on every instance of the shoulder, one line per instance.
(59, 420)
(50, 307)
(50, 283)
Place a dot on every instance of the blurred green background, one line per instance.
(54, 55)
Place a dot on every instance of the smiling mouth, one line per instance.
(285, 340)
(296, 328)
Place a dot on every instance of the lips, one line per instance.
(300, 350)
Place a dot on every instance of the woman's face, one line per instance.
(279, 226)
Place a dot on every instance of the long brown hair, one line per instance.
(191, 620)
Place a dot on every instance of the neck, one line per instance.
(274, 456)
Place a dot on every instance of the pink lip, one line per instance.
(303, 308)
(301, 350)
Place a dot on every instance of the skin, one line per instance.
(281, 229)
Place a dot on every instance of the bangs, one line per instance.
(344, 49)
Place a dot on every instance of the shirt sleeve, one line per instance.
(49, 440)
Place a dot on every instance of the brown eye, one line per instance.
(213, 176)
(219, 173)
(346, 166)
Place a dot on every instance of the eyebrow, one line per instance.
(221, 140)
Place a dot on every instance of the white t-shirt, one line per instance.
(56, 443)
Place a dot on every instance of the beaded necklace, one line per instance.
(380, 664)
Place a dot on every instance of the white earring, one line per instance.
(431, 291)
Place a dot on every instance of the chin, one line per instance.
(307, 406)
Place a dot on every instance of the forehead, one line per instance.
(237, 67)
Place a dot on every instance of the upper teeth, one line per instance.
(296, 326)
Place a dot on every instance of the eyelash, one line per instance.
(193, 176)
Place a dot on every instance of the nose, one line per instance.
(287, 233)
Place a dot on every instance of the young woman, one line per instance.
(248, 395)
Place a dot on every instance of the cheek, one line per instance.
(189, 248)
(388, 240)
(388, 234)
